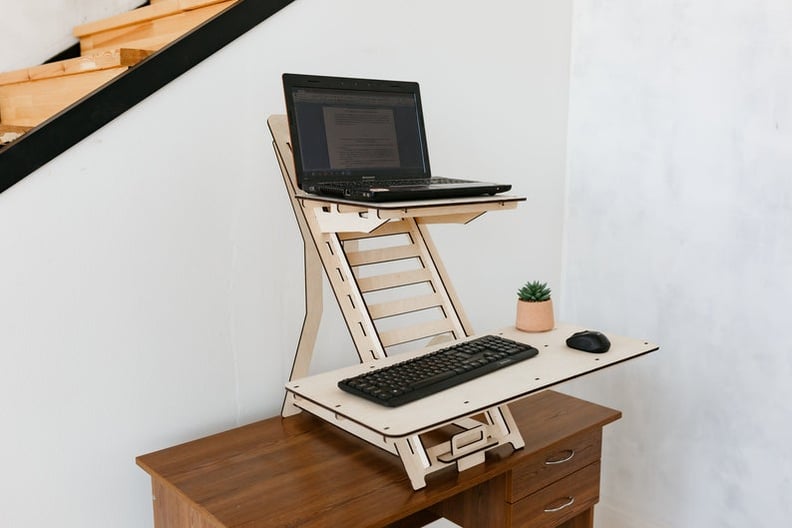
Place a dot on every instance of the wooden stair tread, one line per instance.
(91, 62)
(158, 9)
(33, 102)
(153, 33)
(30, 96)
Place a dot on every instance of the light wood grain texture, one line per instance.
(91, 62)
(554, 463)
(558, 502)
(157, 9)
(148, 34)
(30, 103)
(555, 363)
(355, 272)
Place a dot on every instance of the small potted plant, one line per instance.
(534, 308)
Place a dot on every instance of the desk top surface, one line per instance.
(301, 471)
(554, 364)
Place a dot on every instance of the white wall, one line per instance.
(150, 277)
(35, 30)
(680, 209)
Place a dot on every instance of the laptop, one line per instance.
(364, 140)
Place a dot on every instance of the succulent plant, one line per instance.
(534, 291)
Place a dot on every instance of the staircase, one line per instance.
(108, 48)
(28, 148)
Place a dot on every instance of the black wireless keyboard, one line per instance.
(422, 376)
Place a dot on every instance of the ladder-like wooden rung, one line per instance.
(377, 256)
(389, 228)
(393, 280)
(413, 333)
(404, 306)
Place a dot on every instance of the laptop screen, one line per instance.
(348, 129)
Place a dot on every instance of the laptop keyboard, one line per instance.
(422, 376)
(388, 183)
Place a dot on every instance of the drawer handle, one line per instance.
(570, 501)
(551, 461)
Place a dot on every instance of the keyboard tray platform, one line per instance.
(398, 429)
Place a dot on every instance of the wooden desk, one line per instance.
(300, 471)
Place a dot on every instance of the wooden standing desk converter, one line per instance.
(300, 471)
(541, 468)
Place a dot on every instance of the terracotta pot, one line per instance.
(535, 316)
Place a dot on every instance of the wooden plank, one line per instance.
(94, 61)
(415, 332)
(393, 280)
(390, 228)
(13, 128)
(404, 306)
(30, 103)
(555, 363)
(152, 34)
(387, 254)
(159, 9)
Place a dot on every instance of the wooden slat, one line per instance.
(415, 332)
(92, 62)
(387, 254)
(404, 306)
(30, 103)
(152, 34)
(393, 280)
(390, 228)
(160, 9)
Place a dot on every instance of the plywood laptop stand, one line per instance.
(393, 290)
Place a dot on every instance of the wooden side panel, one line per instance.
(171, 511)
(482, 506)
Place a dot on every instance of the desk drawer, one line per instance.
(553, 463)
(557, 502)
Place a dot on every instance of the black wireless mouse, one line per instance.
(589, 341)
